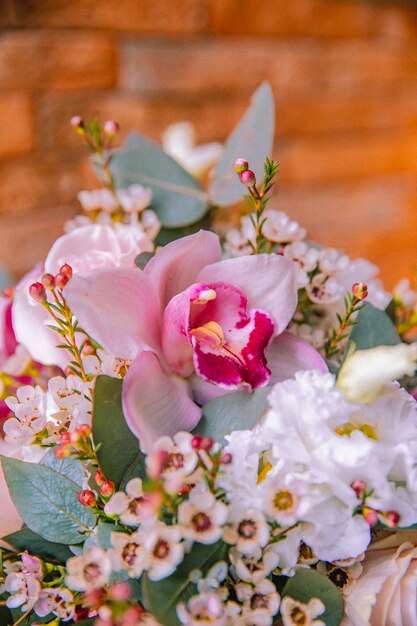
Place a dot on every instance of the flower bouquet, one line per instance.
(204, 429)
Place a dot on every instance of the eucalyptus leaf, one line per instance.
(69, 467)
(234, 411)
(373, 328)
(178, 198)
(118, 453)
(6, 618)
(161, 597)
(252, 140)
(307, 584)
(47, 502)
(26, 539)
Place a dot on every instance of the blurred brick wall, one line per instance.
(344, 75)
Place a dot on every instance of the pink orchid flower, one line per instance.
(194, 326)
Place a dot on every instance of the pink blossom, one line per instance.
(194, 326)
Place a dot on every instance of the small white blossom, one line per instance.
(135, 198)
(201, 517)
(294, 612)
(248, 530)
(164, 550)
(255, 567)
(260, 602)
(133, 507)
(91, 570)
(129, 553)
(97, 199)
(59, 601)
(174, 460)
(279, 228)
(24, 590)
(179, 142)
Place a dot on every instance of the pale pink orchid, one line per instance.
(195, 326)
(86, 249)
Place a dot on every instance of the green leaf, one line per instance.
(32, 618)
(252, 139)
(373, 328)
(69, 467)
(166, 235)
(6, 617)
(307, 584)
(178, 198)
(119, 455)
(161, 597)
(235, 411)
(26, 539)
(47, 501)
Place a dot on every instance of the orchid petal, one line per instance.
(86, 248)
(8, 342)
(154, 403)
(289, 354)
(118, 308)
(176, 266)
(204, 391)
(267, 280)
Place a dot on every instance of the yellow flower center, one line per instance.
(348, 428)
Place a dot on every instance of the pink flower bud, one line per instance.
(241, 165)
(60, 281)
(358, 487)
(360, 290)
(76, 121)
(65, 438)
(48, 281)
(185, 489)
(99, 477)
(392, 519)
(247, 178)
(121, 592)
(370, 516)
(66, 270)
(201, 443)
(226, 458)
(84, 429)
(87, 498)
(62, 452)
(107, 488)
(110, 128)
(37, 292)
(132, 616)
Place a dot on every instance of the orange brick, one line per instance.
(28, 185)
(143, 16)
(16, 128)
(8, 14)
(293, 66)
(26, 240)
(344, 157)
(56, 60)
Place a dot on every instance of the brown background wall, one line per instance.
(344, 75)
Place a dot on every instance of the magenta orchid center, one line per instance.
(227, 342)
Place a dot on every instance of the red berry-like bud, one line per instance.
(107, 488)
(87, 498)
(226, 458)
(48, 281)
(8, 292)
(132, 616)
(110, 128)
(99, 477)
(392, 519)
(371, 516)
(196, 442)
(184, 489)
(60, 281)
(358, 487)
(65, 438)
(247, 178)
(360, 290)
(66, 270)
(62, 452)
(241, 165)
(37, 292)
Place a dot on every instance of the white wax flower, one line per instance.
(365, 373)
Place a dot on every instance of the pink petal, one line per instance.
(118, 308)
(267, 280)
(30, 321)
(175, 267)
(10, 520)
(8, 342)
(85, 249)
(203, 391)
(154, 403)
(289, 354)
(240, 361)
